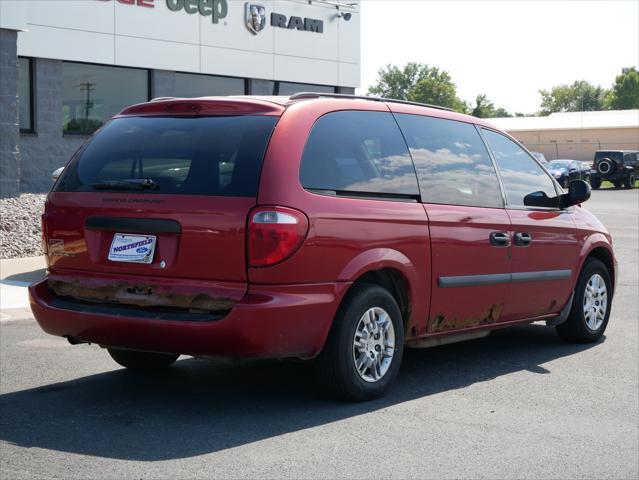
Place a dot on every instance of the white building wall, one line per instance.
(111, 32)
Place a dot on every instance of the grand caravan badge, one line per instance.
(255, 16)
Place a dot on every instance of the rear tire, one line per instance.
(142, 361)
(630, 181)
(618, 183)
(595, 184)
(342, 366)
(590, 310)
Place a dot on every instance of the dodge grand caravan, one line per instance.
(325, 227)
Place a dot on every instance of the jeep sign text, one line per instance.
(215, 8)
(308, 24)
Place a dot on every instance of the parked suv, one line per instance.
(621, 167)
(325, 227)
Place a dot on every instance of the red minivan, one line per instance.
(327, 227)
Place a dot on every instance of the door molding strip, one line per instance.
(497, 278)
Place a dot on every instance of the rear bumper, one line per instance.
(271, 321)
(617, 175)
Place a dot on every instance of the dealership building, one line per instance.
(67, 66)
(575, 135)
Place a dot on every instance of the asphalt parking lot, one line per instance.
(519, 403)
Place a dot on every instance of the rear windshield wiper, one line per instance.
(129, 184)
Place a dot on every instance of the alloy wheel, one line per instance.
(595, 302)
(373, 344)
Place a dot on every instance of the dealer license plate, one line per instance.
(132, 248)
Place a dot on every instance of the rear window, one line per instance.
(615, 156)
(185, 156)
(358, 152)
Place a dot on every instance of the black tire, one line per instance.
(335, 366)
(618, 183)
(630, 181)
(143, 361)
(595, 184)
(575, 329)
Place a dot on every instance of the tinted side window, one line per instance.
(520, 174)
(452, 163)
(358, 152)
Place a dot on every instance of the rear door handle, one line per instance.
(499, 239)
(523, 239)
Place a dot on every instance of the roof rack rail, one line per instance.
(161, 99)
(303, 95)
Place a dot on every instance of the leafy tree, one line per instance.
(484, 108)
(625, 91)
(418, 82)
(579, 97)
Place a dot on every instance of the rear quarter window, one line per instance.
(182, 155)
(615, 156)
(360, 153)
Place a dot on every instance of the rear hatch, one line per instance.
(155, 198)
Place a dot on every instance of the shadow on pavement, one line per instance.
(26, 277)
(197, 407)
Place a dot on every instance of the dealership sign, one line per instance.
(254, 14)
(215, 9)
(255, 18)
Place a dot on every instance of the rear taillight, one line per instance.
(274, 234)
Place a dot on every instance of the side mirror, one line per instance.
(578, 192)
(56, 174)
(540, 199)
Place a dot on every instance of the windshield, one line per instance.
(174, 155)
(559, 164)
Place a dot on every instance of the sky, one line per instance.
(508, 50)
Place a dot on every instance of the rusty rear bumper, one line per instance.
(270, 321)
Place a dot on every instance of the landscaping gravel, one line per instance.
(20, 226)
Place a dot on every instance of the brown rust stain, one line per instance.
(441, 323)
(140, 295)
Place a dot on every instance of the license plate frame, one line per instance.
(132, 248)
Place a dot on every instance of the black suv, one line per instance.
(620, 167)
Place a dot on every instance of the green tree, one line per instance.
(484, 108)
(418, 82)
(581, 96)
(625, 91)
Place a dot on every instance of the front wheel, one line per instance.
(591, 304)
(145, 361)
(630, 181)
(364, 349)
(595, 183)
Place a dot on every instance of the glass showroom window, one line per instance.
(25, 94)
(194, 85)
(288, 88)
(94, 93)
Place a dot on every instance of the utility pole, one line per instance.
(87, 87)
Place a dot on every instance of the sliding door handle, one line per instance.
(499, 239)
(523, 239)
